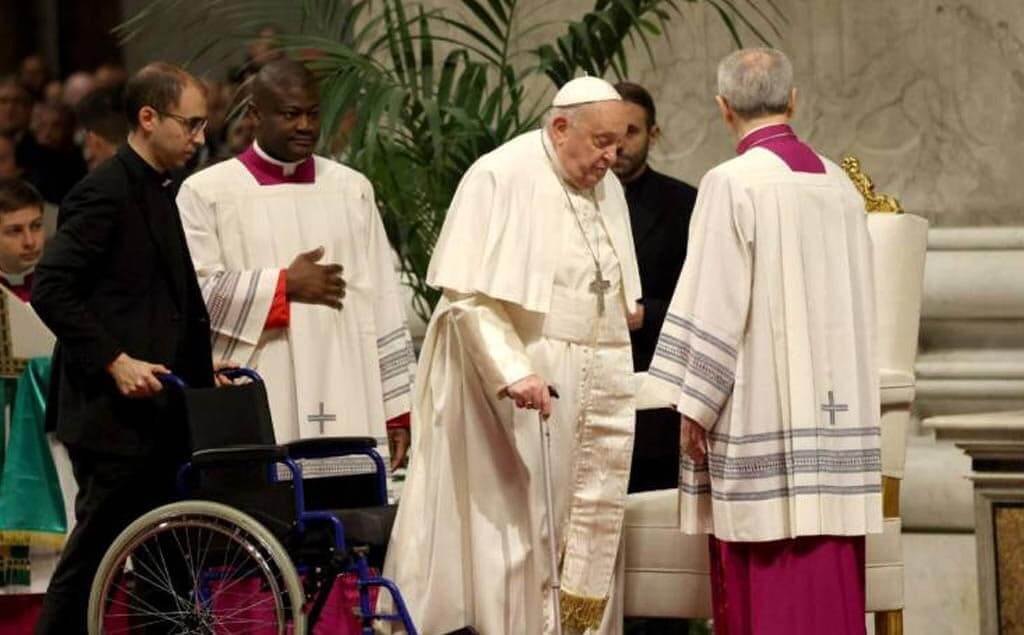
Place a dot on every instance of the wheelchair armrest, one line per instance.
(239, 454)
(330, 446)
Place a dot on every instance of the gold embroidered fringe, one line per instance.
(15, 568)
(581, 613)
(34, 538)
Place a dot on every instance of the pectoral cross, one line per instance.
(321, 418)
(599, 287)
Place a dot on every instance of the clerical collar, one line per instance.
(141, 167)
(764, 134)
(270, 171)
(17, 279)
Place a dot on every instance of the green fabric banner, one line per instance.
(31, 503)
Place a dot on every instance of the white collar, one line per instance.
(17, 279)
(287, 168)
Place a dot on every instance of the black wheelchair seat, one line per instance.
(367, 526)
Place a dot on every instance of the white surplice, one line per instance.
(769, 345)
(329, 372)
(469, 545)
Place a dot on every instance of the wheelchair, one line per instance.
(255, 547)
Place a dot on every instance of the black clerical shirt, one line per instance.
(659, 212)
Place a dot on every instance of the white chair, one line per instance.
(667, 571)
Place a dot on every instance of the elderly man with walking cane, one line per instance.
(537, 266)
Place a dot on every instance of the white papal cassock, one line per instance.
(469, 545)
(329, 372)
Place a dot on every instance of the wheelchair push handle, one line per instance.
(171, 380)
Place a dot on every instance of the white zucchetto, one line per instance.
(585, 90)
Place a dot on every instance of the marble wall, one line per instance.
(928, 93)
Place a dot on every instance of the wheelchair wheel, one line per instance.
(196, 567)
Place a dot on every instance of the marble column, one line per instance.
(995, 444)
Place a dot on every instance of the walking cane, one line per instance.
(545, 453)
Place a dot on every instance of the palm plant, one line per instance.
(433, 89)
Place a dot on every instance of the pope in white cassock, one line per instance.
(329, 369)
(768, 351)
(537, 266)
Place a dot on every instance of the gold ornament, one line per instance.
(872, 202)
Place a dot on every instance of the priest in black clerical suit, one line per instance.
(117, 288)
(659, 211)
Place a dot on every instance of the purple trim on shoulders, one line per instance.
(23, 290)
(783, 142)
(266, 173)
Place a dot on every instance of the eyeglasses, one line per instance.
(194, 125)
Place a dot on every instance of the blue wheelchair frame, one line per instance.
(364, 576)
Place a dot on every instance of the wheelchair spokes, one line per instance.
(196, 573)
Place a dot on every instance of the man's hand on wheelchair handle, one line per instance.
(220, 380)
(135, 378)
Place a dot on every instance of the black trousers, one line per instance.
(112, 492)
(655, 451)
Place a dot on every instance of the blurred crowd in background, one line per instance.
(53, 130)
